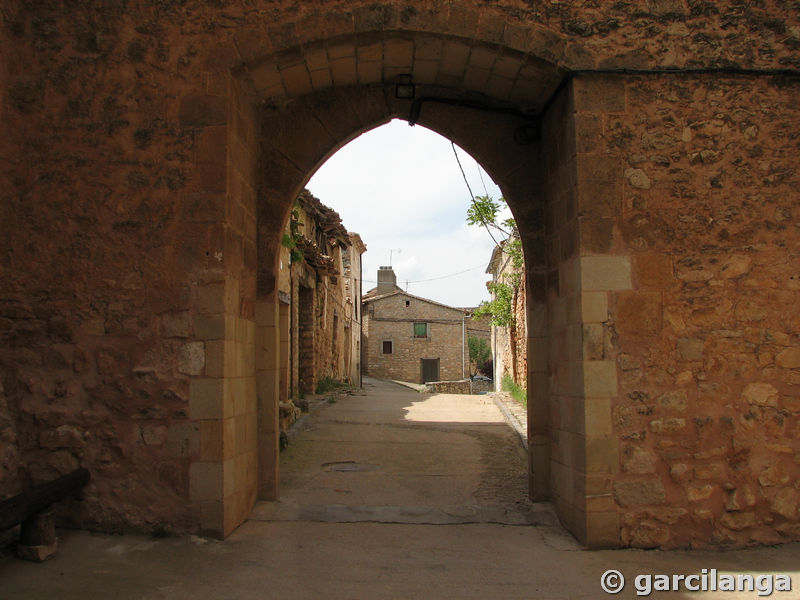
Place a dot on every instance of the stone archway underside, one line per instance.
(335, 116)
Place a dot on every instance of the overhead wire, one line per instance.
(480, 174)
(433, 278)
(471, 195)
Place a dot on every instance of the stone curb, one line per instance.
(511, 418)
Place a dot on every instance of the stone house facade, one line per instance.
(478, 326)
(319, 288)
(509, 343)
(409, 338)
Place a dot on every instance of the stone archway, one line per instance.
(289, 111)
(508, 137)
(143, 197)
(508, 161)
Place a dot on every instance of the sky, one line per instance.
(401, 189)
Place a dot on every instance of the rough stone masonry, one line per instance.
(151, 153)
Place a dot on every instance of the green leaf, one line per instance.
(482, 211)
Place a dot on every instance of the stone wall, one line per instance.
(127, 235)
(462, 386)
(479, 326)
(704, 338)
(448, 387)
(510, 343)
(672, 415)
(222, 400)
(389, 319)
(563, 356)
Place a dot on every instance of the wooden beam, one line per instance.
(17, 509)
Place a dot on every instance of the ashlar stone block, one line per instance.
(192, 358)
(605, 273)
(594, 307)
(205, 398)
(205, 481)
(600, 378)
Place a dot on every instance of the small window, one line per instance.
(420, 330)
(387, 347)
(408, 302)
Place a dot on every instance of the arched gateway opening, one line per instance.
(293, 110)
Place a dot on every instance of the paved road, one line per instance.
(390, 454)
(390, 494)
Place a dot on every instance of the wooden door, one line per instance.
(430, 369)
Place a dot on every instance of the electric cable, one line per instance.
(472, 196)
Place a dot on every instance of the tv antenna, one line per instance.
(391, 250)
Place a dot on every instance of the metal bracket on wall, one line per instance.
(524, 134)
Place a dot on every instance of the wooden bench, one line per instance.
(34, 510)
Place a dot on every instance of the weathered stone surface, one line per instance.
(154, 435)
(667, 514)
(735, 266)
(760, 394)
(637, 178)
(697, 492)
(740, 498)
(773, 475)
(176, 324)
(789, 358)
(647, 534)
(600, 378)
(675, 401)
(668, 425)
(786, 503)
(639, 314)
(710, 471)
(690, 348)
(192, 358)
(638, 461)
(65, 436)
(605, 273)
(680, 472)
(639, 492)
(738, 520)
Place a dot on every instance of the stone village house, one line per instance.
(409, 338)
(319, 287)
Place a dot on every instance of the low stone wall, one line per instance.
(462, 386)
(482, 387)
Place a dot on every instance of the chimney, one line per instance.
(387, 281)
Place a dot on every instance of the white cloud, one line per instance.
(400, 188)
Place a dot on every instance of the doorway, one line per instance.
(429, 368)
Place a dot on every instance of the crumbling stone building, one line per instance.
(408, 338)
(319, 289)
(151, 155)
(509, 342)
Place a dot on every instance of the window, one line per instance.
(420, 330)
(387, 347)
(408, 302)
